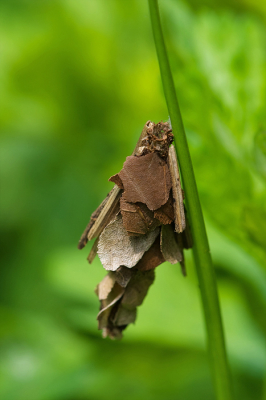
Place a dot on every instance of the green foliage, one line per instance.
(79, 80)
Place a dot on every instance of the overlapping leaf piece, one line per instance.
(146, 179)
(118, 304)
(137, 227)
(116, 247)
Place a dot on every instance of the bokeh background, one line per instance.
(79, 79)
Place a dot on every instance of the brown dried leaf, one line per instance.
(166, 213)
(107, 214)
(124, 316)
(137, 218)
(123, 275)
(105, 286)
(116, 179)
(180, 221)
(114, 333)
(152, 258)
(137, 289)
(169, 246)
(101, 217)
(116, 247)
(107, 304)
(146, 179)
(84, 237)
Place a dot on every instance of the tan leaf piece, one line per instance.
(180, 220)
(166, 214)
(169, 246)
(152, 258)
(105, 286)
(146, 179)
(93, 251)
(116, 247)
(119, 308)
(137, 218)
(106, 211)
(107, 304)
(84, 237)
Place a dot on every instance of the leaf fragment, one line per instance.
(137, 218)
(137, 289)
(116, 179)
(108, 212)
(101, 216)
(105, 286)
(124, 316)
(107, 304)
(180, 221)
(84, 237)
(116, 247)
(169, 246)
(146, 179)
(123, 275)
(93, 252)
(152, 258)
(166, 214)
(118, 304)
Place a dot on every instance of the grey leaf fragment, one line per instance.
(116, 247)
(124, 316)
(123, 275)
(107, 305)
(169, 246)
(137, 289)
(114, 333)
(180, 220)
(106, 285)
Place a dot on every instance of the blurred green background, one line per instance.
(79, 79)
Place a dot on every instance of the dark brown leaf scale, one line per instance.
(116, 179)
(152, 258)
(137, 218)
(146, 179)
(165, 214)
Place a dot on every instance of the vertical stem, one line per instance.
(205, 270)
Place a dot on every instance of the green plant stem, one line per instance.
(204, 266)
